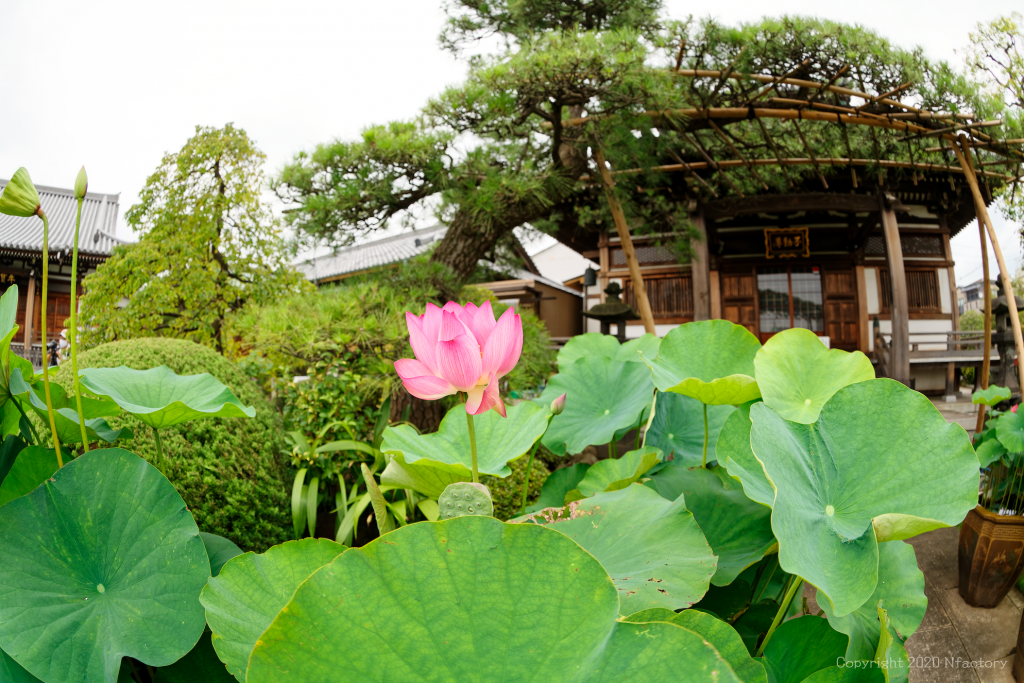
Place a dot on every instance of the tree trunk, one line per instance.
(425, 415)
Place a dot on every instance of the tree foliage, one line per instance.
(208, 244)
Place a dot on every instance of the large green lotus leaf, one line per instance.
(1010, 431)
(35, 464)
(161, 398)
(880, 464)
(652, 548)
(11, 447)
(739, 460)
(471, 599)
(721, 636)
(846, 674)
(677, 428)
(593, 345)
(891, 656)
(989, 452)
(738, 529)
(557, 485)
(200, 665)
(799, 647)
(900, 590)
(991, 396)
(251, 589)
(12, 672)
(219, 550)
(499, 440)
(120, 576)
(65, 413)
(711, 361)
(613, 474)
(798, 375)
(602, 397)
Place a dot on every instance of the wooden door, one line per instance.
(841, 322)
(739, 298)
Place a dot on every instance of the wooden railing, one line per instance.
(35, 355)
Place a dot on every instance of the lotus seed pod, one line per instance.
(465, 498)
(19, 196)
(81, 184)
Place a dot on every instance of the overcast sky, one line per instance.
(115, 84)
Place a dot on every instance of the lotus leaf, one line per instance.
(120, 577)
(989, 452)
(798, 375)
(160, 398)
(499, 440)
(711, 361)
(651, 547)
(1010, 431)
(592, 345)
(890, 655)
(738, 529)
(846, 674)
(677, 428)
(739, 460)
(424, 476)
(799, 647)
(602, 397)
(614, 474)
(559, 483)
(65, 414)
(35, 464)
(845, 483)
(219, 550)
(465, 498)
(755, 622)
(200, 665)
(721, 636)
(900, 589)
(512, 602)
(11, 447)
(12, 672)
(991, 396)
(251, 589)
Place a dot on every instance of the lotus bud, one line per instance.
(81, 184)
(19, 196)
(558, 405)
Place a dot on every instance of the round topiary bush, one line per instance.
(230, 471)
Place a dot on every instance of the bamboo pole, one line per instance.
(964, 157)
(639, 289)
(986, 362)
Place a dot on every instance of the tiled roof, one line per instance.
(371, 255)
(95, 235)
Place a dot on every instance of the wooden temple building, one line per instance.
(21, 246)
(856, 249)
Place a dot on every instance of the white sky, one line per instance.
(114, 84)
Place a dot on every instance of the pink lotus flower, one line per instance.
(461, 348)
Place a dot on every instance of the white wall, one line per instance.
(560, 263)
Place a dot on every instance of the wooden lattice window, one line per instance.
(922, 291)
(669, 296)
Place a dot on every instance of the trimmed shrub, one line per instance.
(507, 493)
(230, 471)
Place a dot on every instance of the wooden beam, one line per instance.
(964, 157)
(30, 301)
(864, 322)
(790, 203)
(862, 231)
(899, 352)
(986, 364)
(716, 295)
(700, 271)
(639, 289)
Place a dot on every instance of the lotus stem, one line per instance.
(705, 435)
(159, 446)
(28, 422)
(74, 330)
(526, 483)
(613, 448)
(472, 446)
(783, 608)
(42, 330)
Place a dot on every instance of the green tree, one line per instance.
(208, 245)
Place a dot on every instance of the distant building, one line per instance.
(972, 297)
(558, 306)
(21, 259)
(560, 263)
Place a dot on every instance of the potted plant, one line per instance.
(991, 548)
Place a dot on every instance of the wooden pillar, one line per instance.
(716, 296)
(30, 313)
(900, 351)
(863, 321)
(700, 271)
(604, 266)
(639, 288)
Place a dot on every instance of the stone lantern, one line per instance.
(613, 310)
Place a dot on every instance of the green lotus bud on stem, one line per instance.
(463, 499)
(19, 196)
(81, 184)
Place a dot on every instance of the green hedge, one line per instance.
(230, 471)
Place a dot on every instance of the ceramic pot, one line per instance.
(991, 556)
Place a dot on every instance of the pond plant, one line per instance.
(756, 469)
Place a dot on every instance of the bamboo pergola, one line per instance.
(956, 145)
